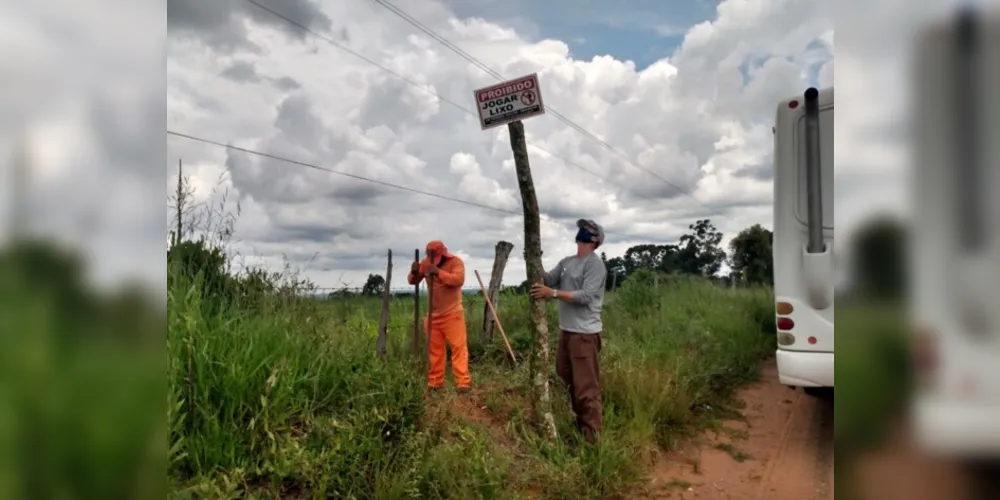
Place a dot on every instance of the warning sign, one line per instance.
(509, 101)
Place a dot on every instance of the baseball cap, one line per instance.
(593, 227)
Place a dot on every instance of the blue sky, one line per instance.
(643, 31)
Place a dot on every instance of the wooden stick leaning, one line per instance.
(493, 311)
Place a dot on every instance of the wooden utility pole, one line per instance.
(503, 249)
(539, 364)
(383, 322)
(416, 308)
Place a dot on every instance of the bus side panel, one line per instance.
(790, 227)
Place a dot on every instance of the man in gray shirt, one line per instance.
(578, 283)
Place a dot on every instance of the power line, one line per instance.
(356, 54)
(495, 74)
(431, 33)
(375, 181)
(418, 86)
(345, 174)
(467, 111)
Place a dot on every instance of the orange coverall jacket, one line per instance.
(447, 322)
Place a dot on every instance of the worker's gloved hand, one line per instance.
(432, 270)
(415, 268)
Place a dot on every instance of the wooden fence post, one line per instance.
(416, 309)
(383, 322)
(503, 249)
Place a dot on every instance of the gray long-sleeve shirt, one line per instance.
(584, 277)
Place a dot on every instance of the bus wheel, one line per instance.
(984, 477)
(825, 393)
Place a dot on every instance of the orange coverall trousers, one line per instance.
(448, 326)
(448, 330)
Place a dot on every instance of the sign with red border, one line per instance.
(509, 101)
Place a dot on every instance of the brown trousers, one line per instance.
(577, 365)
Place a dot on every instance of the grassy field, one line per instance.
(284, 397)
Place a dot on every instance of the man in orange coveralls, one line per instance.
(449, 316)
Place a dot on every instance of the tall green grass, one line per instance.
(81, 381)
(873, 373)
(287, 398)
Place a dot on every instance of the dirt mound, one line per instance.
(472, 408)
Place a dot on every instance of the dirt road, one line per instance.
(783, 451)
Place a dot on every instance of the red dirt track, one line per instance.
(783, 451)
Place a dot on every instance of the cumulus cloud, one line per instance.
(221, 24)
(689, 135)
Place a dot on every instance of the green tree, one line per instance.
(653, 257)
(750, 256)
(879, 250)
(374, 286)
(700, 252)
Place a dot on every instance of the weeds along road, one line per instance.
(783, 450)
(288, 398)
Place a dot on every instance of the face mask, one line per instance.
(584, 236)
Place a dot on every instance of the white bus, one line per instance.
(803, 239)
(955, 247)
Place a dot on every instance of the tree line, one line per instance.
(878, 267)
(698, 252)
